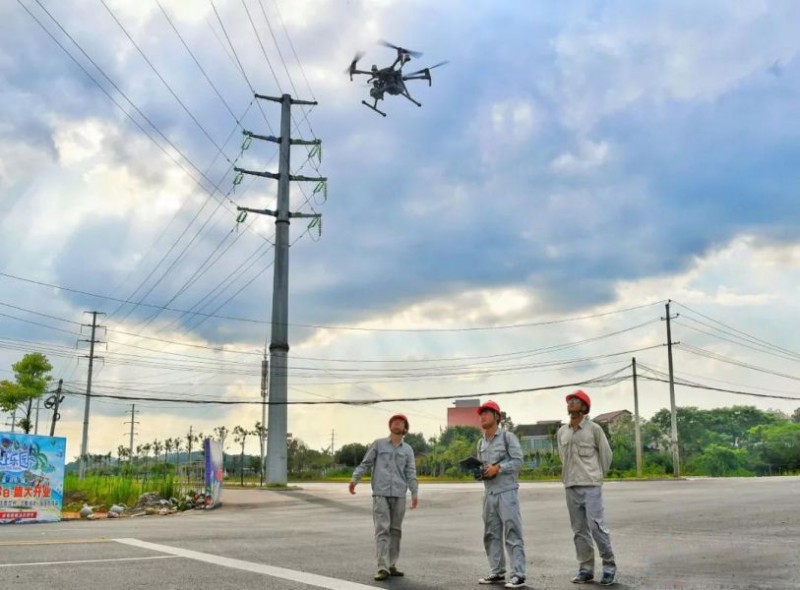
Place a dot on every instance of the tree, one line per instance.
(168, 446)
(32, 374)
(350, 454)
(417, 442)
(177, 444)
(622, 439)
(796, 415)
(471, 433)
(777, 446)
(158, 446)
(506, 422)
(240, 436)
(719, 461)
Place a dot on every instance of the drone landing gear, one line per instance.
(373, 107)
(419, 104)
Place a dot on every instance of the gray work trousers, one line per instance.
(501, 518)
(387, 514)
(585, 505)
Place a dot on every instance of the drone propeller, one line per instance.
(352, 67)
(422, 71)
(401, 49)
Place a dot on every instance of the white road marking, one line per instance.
(249, 566)
(80, 561)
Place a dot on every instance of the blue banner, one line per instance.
(31, 478)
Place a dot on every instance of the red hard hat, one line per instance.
(581, 395)
(489, 406)
(399, 417)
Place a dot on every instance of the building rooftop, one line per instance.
(610, 417)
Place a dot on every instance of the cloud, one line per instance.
(569, 160)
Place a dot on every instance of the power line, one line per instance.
(197, 63)
(721, 389)
(608, 379)
(119, 90)
(166, 84)
(336, 327)
(730, 361)
(745, 335)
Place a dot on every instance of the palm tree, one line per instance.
(167, 448)
(158, 446)
(177, 444)
(146, 447)
(240, 436)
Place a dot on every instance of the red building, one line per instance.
(465, 413)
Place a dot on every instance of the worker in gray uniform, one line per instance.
(394, 472)
(585, 458)
(501, 455)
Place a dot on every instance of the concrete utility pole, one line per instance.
(133, 422)
(637, 427)
(277, 453)
(333, 433)
(673, 442)
(261, 435)
(85, 439)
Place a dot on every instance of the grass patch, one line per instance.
(105, 490)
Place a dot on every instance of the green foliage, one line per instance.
(470, 433)
(776, 448)
(417, 442)
(32, 374)
(623, 443)
(718, 461)
(306, 463)
(697, 429)
(350, 454)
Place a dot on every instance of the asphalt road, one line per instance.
(693, 534)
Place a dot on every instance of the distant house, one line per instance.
(610, 418)
(538, 438)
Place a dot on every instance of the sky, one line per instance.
(574, 167)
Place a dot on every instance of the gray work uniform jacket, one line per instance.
(585, 454)
(494, 452)
(393, 469)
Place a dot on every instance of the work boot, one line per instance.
(393, 571)
(381, 575)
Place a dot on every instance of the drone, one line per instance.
(391, 79)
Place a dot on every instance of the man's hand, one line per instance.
(491, 470)
(413, 503)
(352, 487)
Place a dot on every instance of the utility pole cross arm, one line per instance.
(274, 139)
(255, 173)
(291, 100)
(308, 178)
(259, 211)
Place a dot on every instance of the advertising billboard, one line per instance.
(31, 477)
